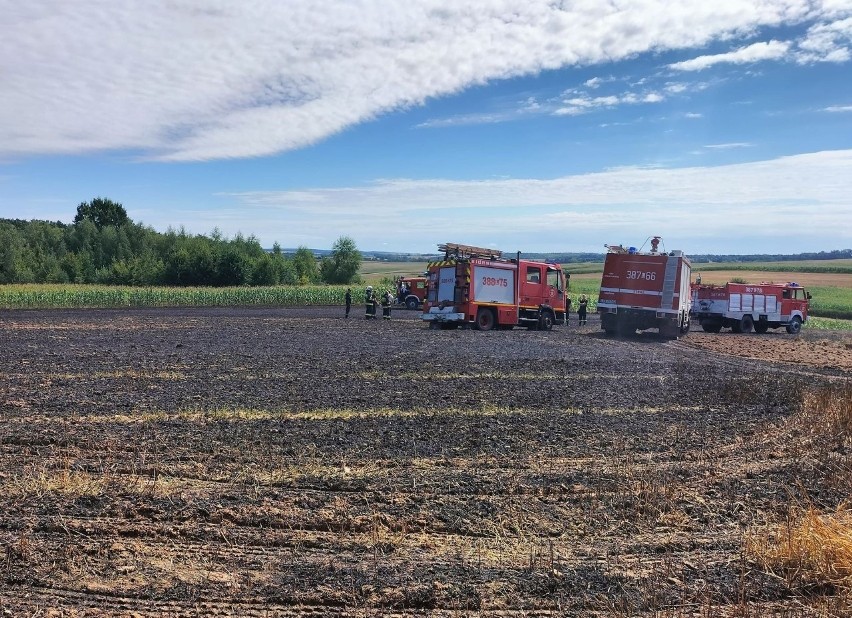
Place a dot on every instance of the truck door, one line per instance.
(799, 301)
(555, 289)
(446, 284)
(531, 286)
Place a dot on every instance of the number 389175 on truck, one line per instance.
(480, 288)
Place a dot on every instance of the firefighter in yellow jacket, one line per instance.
(387, 300)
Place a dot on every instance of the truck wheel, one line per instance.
(411, 302)
(747, 324)
(545, 321)
(761, 326)
(711, 327)
(736, 326)
(484, 319)
(795, 325)
(626, 329)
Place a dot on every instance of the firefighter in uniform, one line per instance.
(370, 303)
(387, 299)
(581, 310)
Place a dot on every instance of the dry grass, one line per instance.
(827, 413)
(812, 549)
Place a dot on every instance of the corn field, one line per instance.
(106, 297)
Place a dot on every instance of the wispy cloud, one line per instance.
(597, 82)
(770, 50)
(838, 108)
(582, 104)
(530, 106)
(729, 146)
(827, 41)
(191, 80)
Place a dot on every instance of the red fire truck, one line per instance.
(410, 291)
(480, 288)
(745, 307)
(642, 290)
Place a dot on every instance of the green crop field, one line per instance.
(831, 302)
(828, 324)
(800, 266)
(373, 272)
(57, 296)
(831, 289)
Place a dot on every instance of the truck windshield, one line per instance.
(553, 279)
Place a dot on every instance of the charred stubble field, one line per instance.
(288, 462)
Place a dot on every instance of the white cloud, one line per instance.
(198, 80)
(729, 145)
(807, 195)
(597, 82)
(582, 104)
(693, 115)
(838, 108)
(827, 42)
(770, 50)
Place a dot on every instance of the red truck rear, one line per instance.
(642, 290)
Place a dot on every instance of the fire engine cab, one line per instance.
(410, 291)
(744, 307)
(480, 288)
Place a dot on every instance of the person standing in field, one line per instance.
(348, 298)
(581, 309)
(387, 299)
(567, 311)
(370, 303)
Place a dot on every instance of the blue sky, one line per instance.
(725, 127)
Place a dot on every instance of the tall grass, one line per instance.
(812, 548)
(828, 324)
(98, 296)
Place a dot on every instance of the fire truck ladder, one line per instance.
(466, 252)
(669, 282)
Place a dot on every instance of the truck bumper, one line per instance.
(443, 315)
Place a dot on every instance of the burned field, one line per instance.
(288, 462)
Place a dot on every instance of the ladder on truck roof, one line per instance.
(669, 282)
(466, 251)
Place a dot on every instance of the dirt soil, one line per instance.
(830, 350)
(284, 462)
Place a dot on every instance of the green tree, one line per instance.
(233, 267)
(11, 248)
(344, 262)
(306, 265)
(264, 271)
(102, 212)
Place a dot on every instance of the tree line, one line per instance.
(103, 245)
